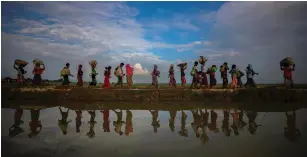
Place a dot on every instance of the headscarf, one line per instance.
(129, 69)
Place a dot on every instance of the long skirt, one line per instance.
(172, 80)
(65, 80)
(234, 81)
(212, 81)
(204, 80)
(183, 80)
(20, 78)
(106, 82)
(80, 80)
(129, 80)
(155, 81)
(37, 80)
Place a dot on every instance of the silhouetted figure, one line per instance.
(235, 122)
(212, 125)
(63, 123)
(92, 123)
(35, 123)
(172, 114)
(155, 122)
(196, 123)
(252, 125)
(291, 132)
(183, 131)
(119, 122)
(78, 120)
(223, 69)
(129, 126)
(106, 121)
(225, 126)
(15, 129)
(203, 125)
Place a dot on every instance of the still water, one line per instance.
(223, 133)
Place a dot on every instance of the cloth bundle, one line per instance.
(182, 65)
(20, 62)
(202, 60)
(287, 62)
(93, 63)
(38, 61)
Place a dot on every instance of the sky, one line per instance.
(146, 33)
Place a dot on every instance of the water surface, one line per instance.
(145, 133)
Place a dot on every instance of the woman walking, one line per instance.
(223, 69)
(211, 71)
(107, 76)
(233, 72)
(38, 71)
(204, 80)
(129, 74)
(66, 73)
(172, 80)
(155, 74)
(194, 73)
(80, 76)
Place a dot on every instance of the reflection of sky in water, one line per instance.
(269, 139)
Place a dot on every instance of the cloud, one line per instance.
(262, 33)
(138, 70)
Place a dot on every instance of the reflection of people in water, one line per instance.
(235, 122)
(203, 125)
(252, 125)
(196, 123)
(172, 114)
(119, 122)
(106, 121)
(78, 120)
(35, 123)
(212, 125)
(129, 126)
(225, 126)
(155, 122)
(92, 123)
(183, 131)
(291, 132)
(15, 129)
(241, 121)
(63, 123)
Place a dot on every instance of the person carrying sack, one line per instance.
(65, 73)
(194, 73)
(118, 72)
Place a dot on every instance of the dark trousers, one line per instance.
(250, 82)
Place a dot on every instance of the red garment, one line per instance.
(106, 123)
(183, 80)
(79, 77)
(288, 73)
(38, 70)
(106, 83)
(20, 78)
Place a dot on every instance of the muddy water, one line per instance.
(145, 133)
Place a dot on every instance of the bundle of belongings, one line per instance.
(202, 60)
(224, 67)
(20, 62)
(65, 72)
(182, 66)
(93, 63)
(37, 61)
(287, 62)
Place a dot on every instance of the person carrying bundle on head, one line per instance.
(182, 67)
(37, 71)
(223, 69)
(202, 61)
(287, 65)
(20, 70)
(93, 73)
(194, 73)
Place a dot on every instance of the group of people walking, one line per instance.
(200, 79)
